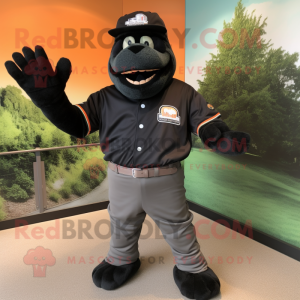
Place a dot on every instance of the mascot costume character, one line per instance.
(146, 119)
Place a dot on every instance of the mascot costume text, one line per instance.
(146, 118)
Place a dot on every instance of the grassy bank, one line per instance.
(79, 178)
(246, 188)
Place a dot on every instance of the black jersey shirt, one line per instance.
(149, 132)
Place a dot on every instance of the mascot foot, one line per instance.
(200, 286)
(110, 277)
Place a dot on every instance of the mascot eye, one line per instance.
(129, 40)
(147, 41)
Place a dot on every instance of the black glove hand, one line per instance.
(217, 136)
(37, 78)
(46, 88)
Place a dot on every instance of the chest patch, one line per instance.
(168, 114)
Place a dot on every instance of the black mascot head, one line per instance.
(142, 62)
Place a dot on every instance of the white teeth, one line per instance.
(134, 71)
(148, 79)
(140, 82)
(129, 80)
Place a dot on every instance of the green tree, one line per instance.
(9, 132)
(255, 87)
(16, 193)
(24, 181)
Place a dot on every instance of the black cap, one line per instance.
(139, 20)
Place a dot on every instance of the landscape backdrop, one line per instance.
(250, 75)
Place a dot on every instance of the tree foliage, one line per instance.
(255, 87)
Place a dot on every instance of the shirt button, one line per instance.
(141, 126)
(142, 105)
(139, 148)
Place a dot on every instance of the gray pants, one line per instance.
(163, 199)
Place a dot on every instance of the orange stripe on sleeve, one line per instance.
(206, 121)
(86, 117)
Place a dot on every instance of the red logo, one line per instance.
(41, 69)
(39, 258)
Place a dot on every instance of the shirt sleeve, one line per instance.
(91, 112)
(200, 112)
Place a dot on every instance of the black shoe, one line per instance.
(200, 286)
(110, 277)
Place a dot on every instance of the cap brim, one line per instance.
(116, 31)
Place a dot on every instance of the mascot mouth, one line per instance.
(139, 77)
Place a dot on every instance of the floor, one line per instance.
(246, 269)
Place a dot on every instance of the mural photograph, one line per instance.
(68, 174)
(246, 65)
(78, 173)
